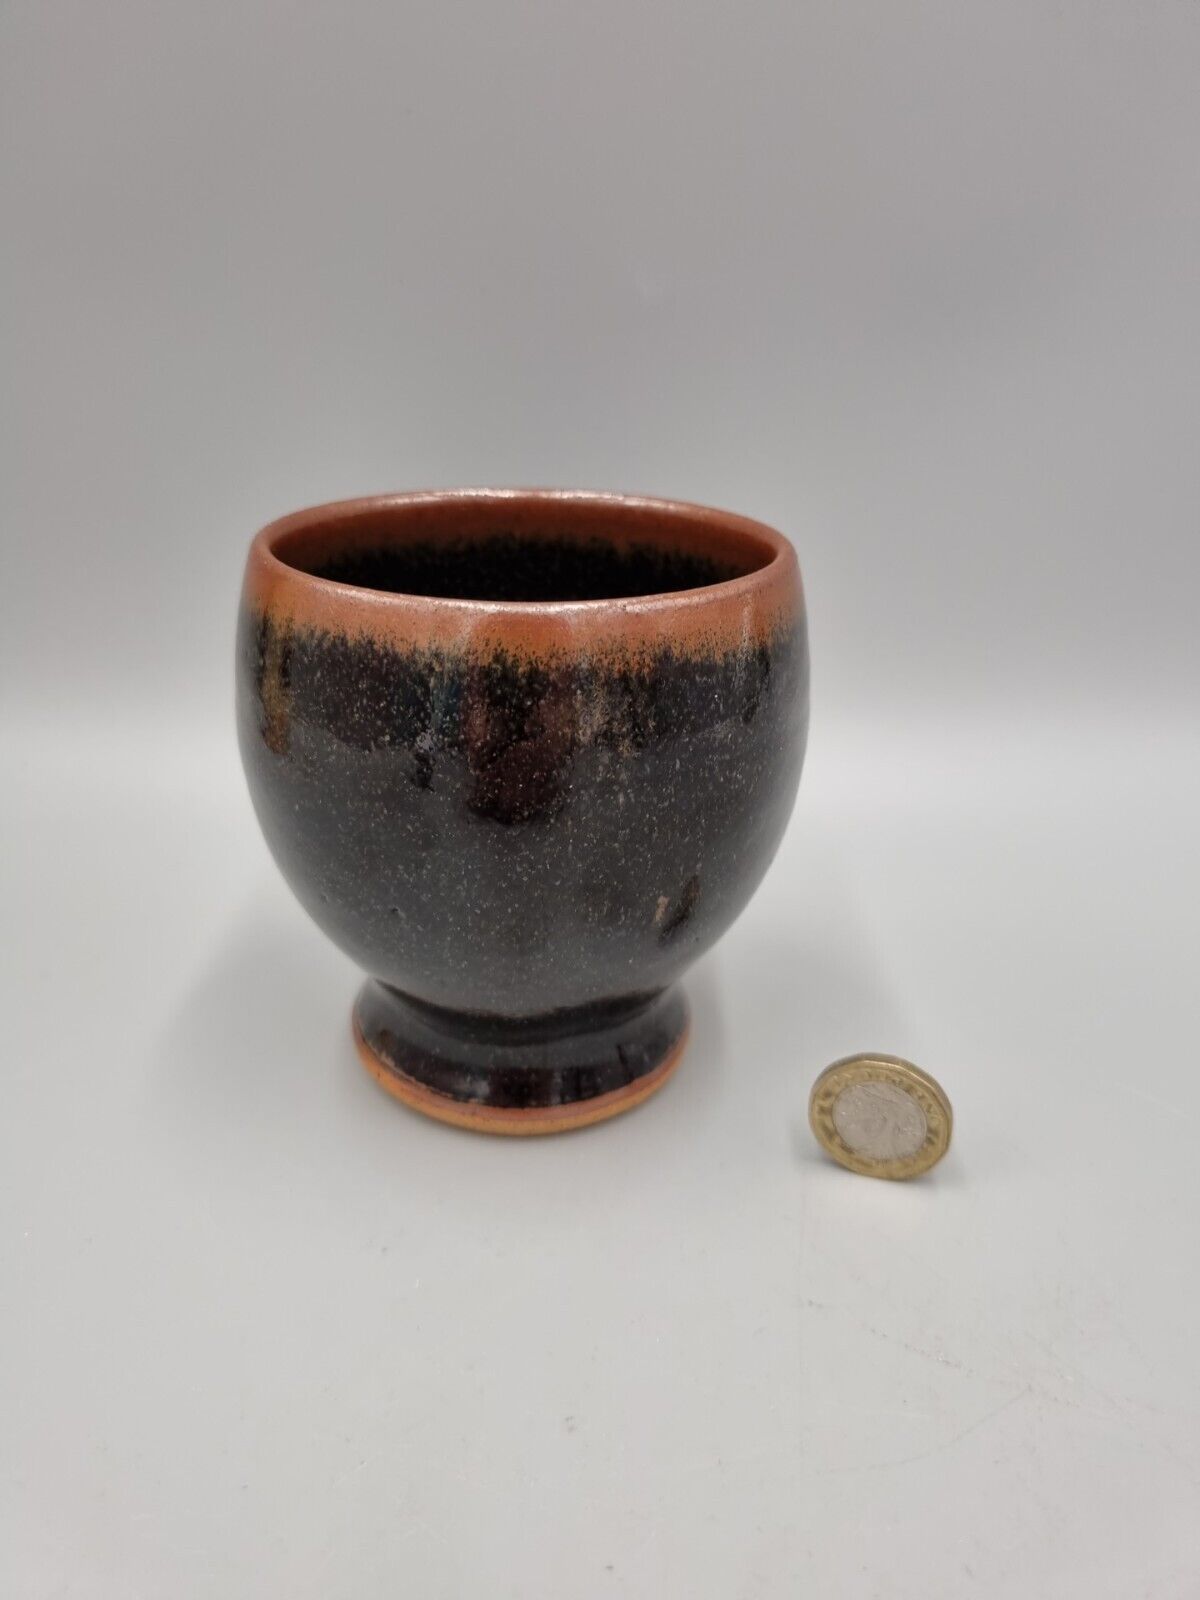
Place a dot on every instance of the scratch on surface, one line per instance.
(1154, 1100)
(944, 1444)
(1069, 1373)
(938, 1356)
(1039, 1391)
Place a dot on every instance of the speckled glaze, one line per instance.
(517, 788)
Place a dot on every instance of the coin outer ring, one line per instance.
(926, 1091)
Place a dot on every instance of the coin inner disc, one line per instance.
(879, 1121)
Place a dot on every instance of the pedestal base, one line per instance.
(545, 1075)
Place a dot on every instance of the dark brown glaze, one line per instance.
(554, 1060)
(523, 816)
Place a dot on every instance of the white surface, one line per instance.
(268, 1332)
(917, 283)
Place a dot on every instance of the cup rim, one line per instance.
(730, 527)
(749, 603)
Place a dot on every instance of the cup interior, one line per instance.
(524, 548)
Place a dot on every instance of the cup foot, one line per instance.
(547, 1075)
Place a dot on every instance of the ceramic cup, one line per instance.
(523, 755)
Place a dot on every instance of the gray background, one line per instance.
(918, 284)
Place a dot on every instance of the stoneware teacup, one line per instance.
(523, 755)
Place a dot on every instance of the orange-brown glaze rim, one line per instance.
(748, 609)
(511, 1120)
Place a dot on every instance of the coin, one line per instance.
(881, 1116)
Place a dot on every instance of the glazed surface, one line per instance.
(567, 1057)
(508, 832)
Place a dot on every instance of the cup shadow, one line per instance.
(260, 1040)
(252, 1039)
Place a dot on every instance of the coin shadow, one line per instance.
(949, 1174)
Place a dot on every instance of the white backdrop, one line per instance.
(918, 284)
